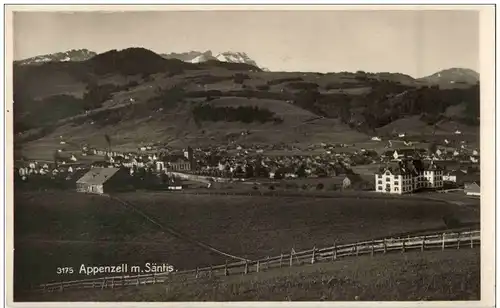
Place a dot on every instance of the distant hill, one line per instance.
(452, 76)
(141, 95)
(70, 55)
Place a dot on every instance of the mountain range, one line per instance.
(190, 57)
(443, 77)
(142, 96)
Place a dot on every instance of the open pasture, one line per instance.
(58, 229)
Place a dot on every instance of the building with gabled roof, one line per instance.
(407, 176)
(101, 180)
(472, 189)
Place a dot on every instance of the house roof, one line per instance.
(472, 187)
(98, 176)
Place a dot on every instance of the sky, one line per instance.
(413, 42)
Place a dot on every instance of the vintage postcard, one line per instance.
(250, 153)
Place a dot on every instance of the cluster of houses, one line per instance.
(405, 170)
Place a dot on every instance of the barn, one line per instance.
(101, 180)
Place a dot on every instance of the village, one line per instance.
(318, 167)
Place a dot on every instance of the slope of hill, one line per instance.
(70, 55)
(142, 97)
(453, 76)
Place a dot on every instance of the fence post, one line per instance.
(471, 240)
(291, 257)
(246, 267)
(422, 246)
(385, 246)
(112, 283)
(61, 288)
(357, 249)
(258, 265)
(137, 283)
(103, 283)
(442, 242)
(225, 269)
(281, 260)
(373, 248)
(313, 255)
(458, 240)
(196, 273)
(211, 271)
(403, 248)
(334, 252)
(154, 277)
(267, 263)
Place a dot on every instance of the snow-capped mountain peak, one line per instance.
(70, 55)
(198, 57)
(235, 57)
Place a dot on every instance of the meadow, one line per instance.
(66, 229)
(415, 276)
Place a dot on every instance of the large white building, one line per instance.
(408, 176)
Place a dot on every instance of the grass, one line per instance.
(57, 229)
(415, 276)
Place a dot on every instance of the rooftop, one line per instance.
(98, 176)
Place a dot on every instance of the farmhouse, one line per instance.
(100, 180)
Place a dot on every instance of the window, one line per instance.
(396, 183)
(379, 188)
(380, 176)
(380, 182)
(388, 179)
(396, 189)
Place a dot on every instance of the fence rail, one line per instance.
(441, 241)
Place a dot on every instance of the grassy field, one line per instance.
(433, 275)
(58, 229)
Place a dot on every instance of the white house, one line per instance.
(407, 177)
(401, 135)
(160, 166)
(376, 139)
(457, 132)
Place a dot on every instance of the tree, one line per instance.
(108, 141)
(432, 147)
(279, 174)
(320, 186)
(56, 157)
(301, 172)
(249, 171)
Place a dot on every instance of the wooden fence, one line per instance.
(442, 241)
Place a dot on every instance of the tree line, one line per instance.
(245, 114)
